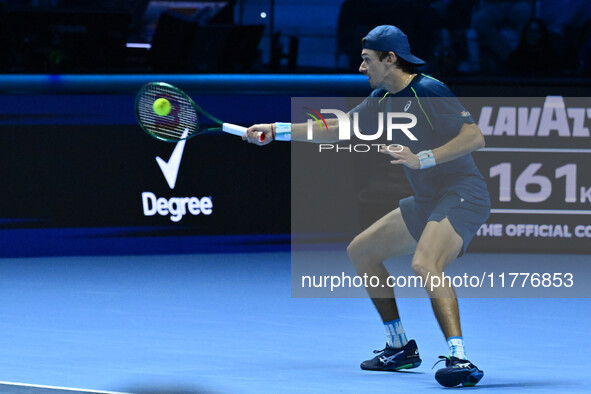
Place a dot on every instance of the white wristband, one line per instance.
(426, 159)
(282, 131)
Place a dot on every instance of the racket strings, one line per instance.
(182, 116)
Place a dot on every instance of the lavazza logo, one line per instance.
(395, 121)
(175, 207)
(525, 121)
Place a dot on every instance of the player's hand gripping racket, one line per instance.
(168, 114)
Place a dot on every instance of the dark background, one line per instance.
(75, 162)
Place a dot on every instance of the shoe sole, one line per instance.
(473, 378)
(409, 366)
(449, 377)
(405, 366)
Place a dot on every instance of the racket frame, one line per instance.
(222, 126)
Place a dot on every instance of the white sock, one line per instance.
(456, 347)
(395, 334)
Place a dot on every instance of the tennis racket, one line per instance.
(181, 116)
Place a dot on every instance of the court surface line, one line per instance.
(59, 388)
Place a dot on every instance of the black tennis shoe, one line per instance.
(394, 359)
(457, 371)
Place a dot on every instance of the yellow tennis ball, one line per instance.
(162, 107)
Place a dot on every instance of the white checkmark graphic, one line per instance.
(170, 169)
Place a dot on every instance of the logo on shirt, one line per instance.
(407, 106)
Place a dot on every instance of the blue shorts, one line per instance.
(465, 216)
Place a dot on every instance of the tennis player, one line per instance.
(438, 222)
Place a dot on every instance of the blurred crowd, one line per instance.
(481, 37)
(456, 37)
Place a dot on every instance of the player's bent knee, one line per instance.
(419, 269)
(424, 267)
(358, 252)
(354, 250)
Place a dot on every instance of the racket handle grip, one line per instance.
(239, 130)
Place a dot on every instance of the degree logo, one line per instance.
(175, 207)
(170, 168)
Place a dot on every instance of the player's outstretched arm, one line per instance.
(252, 135)
(296, 131)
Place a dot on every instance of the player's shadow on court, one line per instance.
(386, 373)
(411, 372)
(542, 385)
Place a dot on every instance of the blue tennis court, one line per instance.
(226, 323)
(133, 266)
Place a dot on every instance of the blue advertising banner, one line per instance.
(81, 177)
